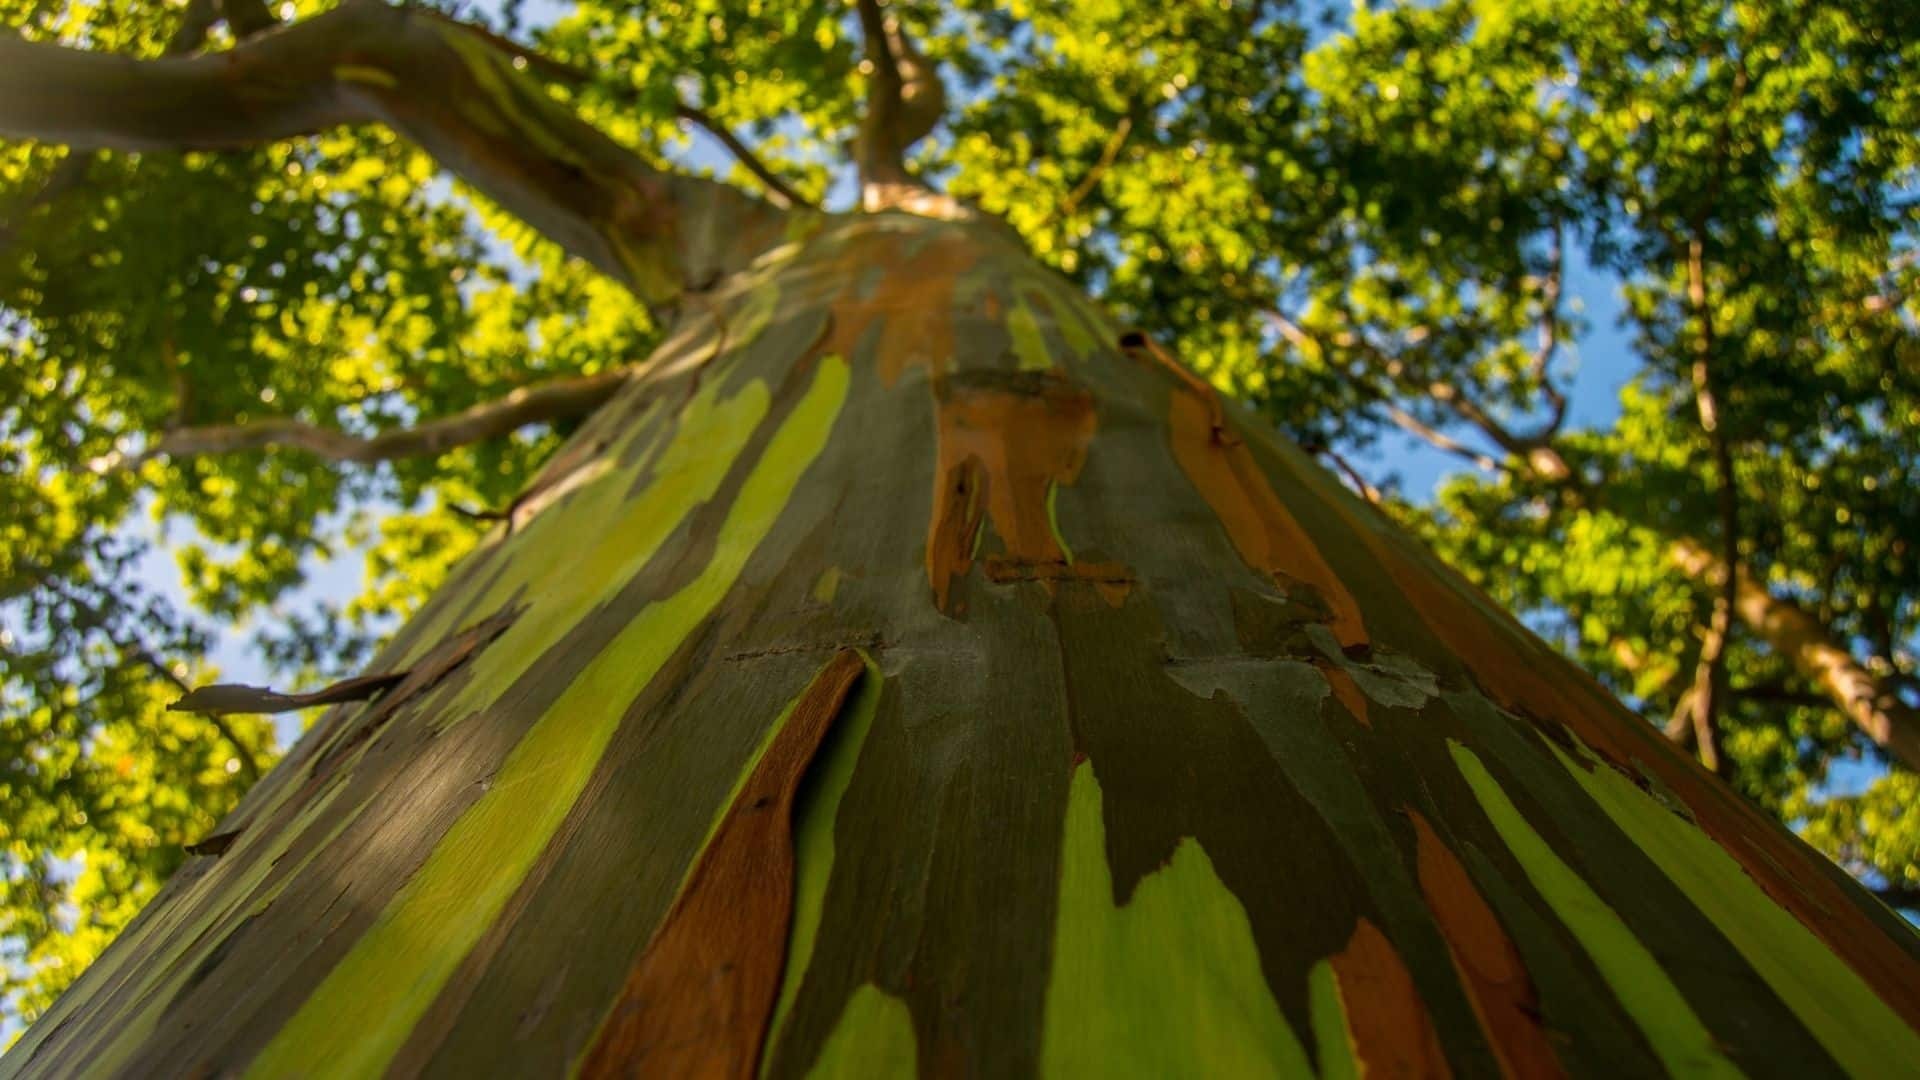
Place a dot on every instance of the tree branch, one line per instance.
(779, 192)
(1710, 680)
(905, 100)
(1550, 337)
(557, 399)
(1361, 485)
(440, 84)
(1411, 424)
(197, 19)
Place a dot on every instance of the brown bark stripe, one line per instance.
(1490, 966)
(1266, 534)
(696, 1003)
(1392, 1033)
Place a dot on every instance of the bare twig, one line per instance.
(1411, 424)
(779, 192)
(1710, 679)
(135, 649)
(1360, 484)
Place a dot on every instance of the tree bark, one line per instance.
(900, 674)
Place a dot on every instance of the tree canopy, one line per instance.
(1363, 222)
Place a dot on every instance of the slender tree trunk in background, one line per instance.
(909, 670)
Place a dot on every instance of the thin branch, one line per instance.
(779, 192)
(1299, 338)
(135, 649)
(1871, 702)
(1360, 483)
(1411, 424)
(1108, 154)
(440, 84)
(1710, 680)
(1680, 727)
(1550, 337)
(1294, 334)
(557, 399)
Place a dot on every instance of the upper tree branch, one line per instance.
(905, 100)
(779, 192)
(197, 20)
(1108, 154)
(558, 399)
(440, 84)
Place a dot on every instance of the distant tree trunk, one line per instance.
(911, 670)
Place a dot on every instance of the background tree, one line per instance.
(329, 348)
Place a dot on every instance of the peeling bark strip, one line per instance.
(698, 1000)
(233, 699)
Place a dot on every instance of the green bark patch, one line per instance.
(393, 973)
(1861, 1032)
(1166, 984)
(1684, 1045)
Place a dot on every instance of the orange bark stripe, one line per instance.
(1347, 691)
(1490, 966)
(1392, 1033)
(1267, 536)
(696, 1003)
(1015, 437)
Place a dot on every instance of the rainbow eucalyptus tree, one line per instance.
(910, 667)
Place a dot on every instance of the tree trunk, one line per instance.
(909, 670)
